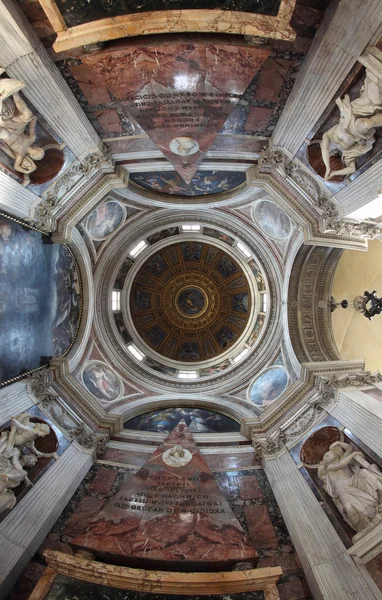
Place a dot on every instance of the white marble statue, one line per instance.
(353, 136)
(354, 484)
(177, 456)
(13, 461)
(15, 116)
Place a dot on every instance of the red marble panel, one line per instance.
(225, 461)
(374, 567)
(124, 457)
(95, 94)
(271, 79)
(260, 527)
(109, 120)
(175, 90)
(297, 589)
(85, 511)
(258, 118)
(169, 514)
(103, 481)
(249, 488)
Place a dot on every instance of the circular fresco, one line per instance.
(101, 382)
(104, 219)
(272, 220)
(184, 146)
(190, 301)
(268, 386)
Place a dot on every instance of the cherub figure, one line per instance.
(353, 135)
(14, 118)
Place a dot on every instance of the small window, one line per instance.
(241, 355)
(115, 301)
(188, 375)
(190, 227)
(244, 250)
(264, 302)
(135, 352)
(138, 248)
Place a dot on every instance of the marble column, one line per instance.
(331, 573)
(24, 57)
(348, 27)
(26, 526)
(15, 199)
(362, 415)
(14, 399)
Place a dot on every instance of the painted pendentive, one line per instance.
(268, 386)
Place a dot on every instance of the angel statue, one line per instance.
(13, 461)
(353, 136)
(14, 118)
(354, 484)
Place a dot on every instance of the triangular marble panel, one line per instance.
(181, 94)
(171, 517)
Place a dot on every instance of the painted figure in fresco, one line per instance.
(155, 335)
(269, 386)
(156, 265)
(142, 300)
(224, 337)
(191, 301)
(104, 219)
(240, 302)
(190, 351)
(226, 267)
(354, 134)
(192, 251)
(101, 382)
(256, 330)
(161, 235)
(354, 484)
(198, 420)
(15, 116)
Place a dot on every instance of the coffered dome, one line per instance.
(190, 301)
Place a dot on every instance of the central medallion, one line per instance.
(191, 302)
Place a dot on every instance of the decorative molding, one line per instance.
(69, 187)
(359, 379)
(270, 445)
(309, 304)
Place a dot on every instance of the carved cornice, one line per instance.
(349, 380)
(270, 445)
(68, 187)
(309, 304)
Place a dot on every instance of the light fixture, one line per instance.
(138, 248)
(135, 352)
(190, 227)
(241, 355)
(115, 300)
(188, 375)
(244, 250)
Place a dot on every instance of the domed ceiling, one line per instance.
(190, 301)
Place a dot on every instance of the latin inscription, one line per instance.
(169, 495)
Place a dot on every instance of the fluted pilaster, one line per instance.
(14, 399)
(347, 28)
(15, 199)
(361, 191)
(362, 415)
(25, 528)
(24, 57)
(331, 573)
